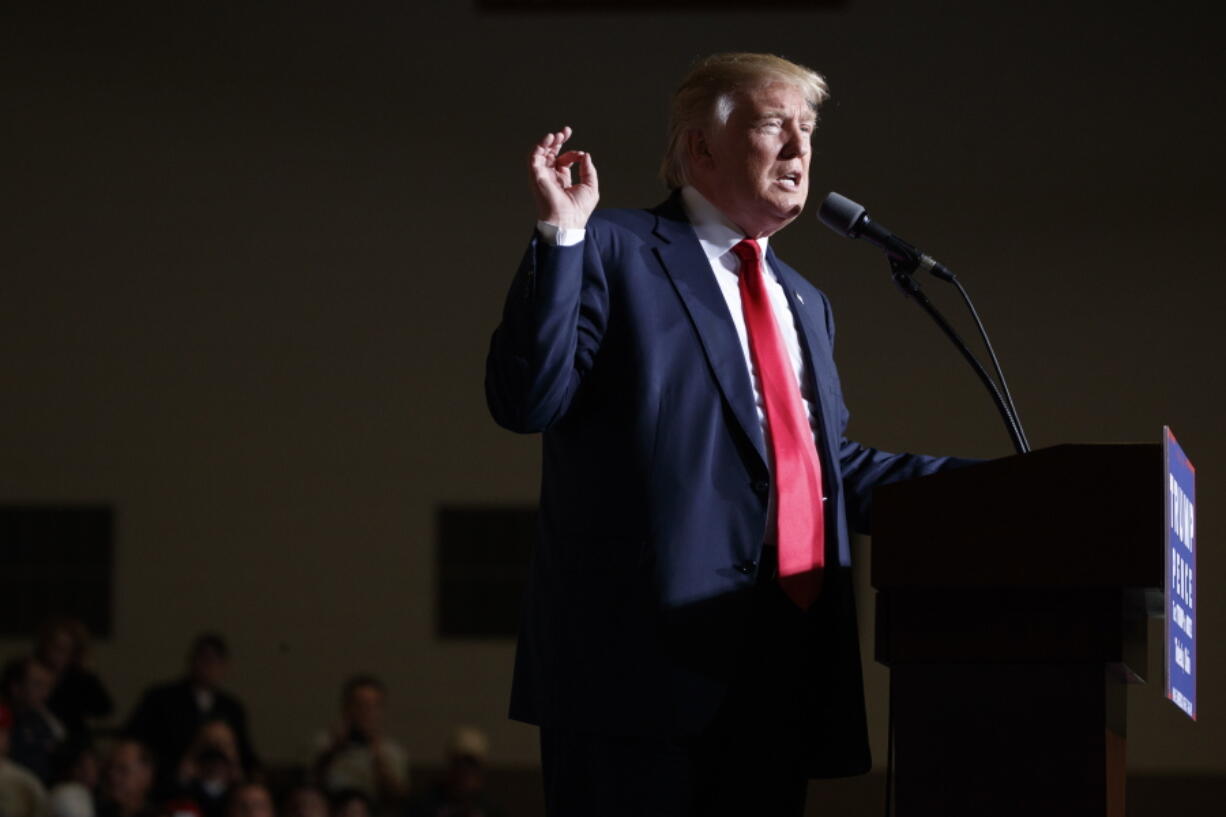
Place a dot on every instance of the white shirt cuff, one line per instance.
(558, 236)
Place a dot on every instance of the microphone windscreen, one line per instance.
(840, 214)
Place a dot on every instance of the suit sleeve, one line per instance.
(552, 325)
(863, 468)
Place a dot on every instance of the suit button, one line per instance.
(761, 487)
(746, 566)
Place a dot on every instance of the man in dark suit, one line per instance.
(689, 643)
(169, 716)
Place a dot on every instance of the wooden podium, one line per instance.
(1011, 611)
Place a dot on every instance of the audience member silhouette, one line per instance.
(77, 774)
(250, 800)
(461, 791)
(305, 800)
(352, 803)
(210, 769)
(36, 732)
(127, 782)
(357, 755)
(21, 792)
(169, 716)
(77, 694)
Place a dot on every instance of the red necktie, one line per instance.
(799, 517)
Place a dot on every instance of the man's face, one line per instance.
(252, 800)
(353, 807)
(58, 649)
(128, 776)
(307, 802)
(755, 168)
(219, 735)
(365, 710)
(38, 685)
(207, 667)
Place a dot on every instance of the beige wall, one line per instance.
(251, 261)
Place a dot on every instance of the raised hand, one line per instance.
(558, 201)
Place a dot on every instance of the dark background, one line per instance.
(251, 254)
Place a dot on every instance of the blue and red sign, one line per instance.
(1180, 576)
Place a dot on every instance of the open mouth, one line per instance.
(790, 181)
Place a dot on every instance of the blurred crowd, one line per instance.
(185, 750)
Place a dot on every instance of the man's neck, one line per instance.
(711, 196)
(716, 232)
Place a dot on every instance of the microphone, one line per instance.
(845, 217)
(850, 219)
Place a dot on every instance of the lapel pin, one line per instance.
(802, 300)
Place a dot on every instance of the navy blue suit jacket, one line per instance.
(655, 484)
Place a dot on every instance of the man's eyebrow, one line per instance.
(808, 116)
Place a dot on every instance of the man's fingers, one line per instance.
(539, 159)
(554, 141)
(559, 199)
(587, 170)
(545, 151)
(546, 143)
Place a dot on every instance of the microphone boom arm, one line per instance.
(902, 273)
(847, 218)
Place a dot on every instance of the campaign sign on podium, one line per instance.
(1180, 576)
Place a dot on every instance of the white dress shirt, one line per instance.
(718, 236)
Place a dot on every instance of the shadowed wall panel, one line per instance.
(55, 561)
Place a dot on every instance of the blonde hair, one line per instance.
(705, 98)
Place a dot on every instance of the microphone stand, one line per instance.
(983, 335)
(902, 269)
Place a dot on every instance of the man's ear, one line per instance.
(698, 150)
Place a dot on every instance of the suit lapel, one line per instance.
(687, 266)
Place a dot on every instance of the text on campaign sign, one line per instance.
(1180, 592)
